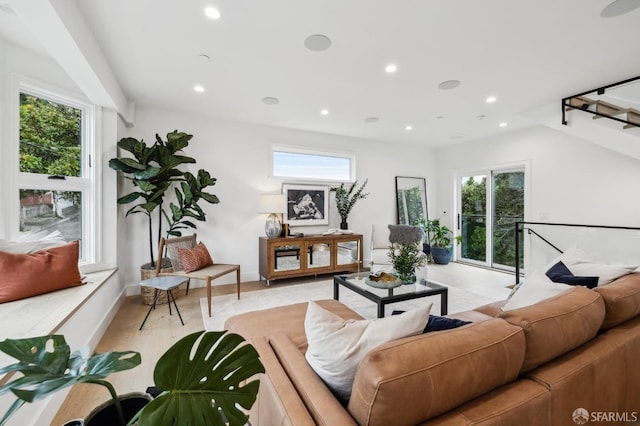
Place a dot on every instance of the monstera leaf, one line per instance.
(203, 379)
(47, 365)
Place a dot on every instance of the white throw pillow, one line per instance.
(336, 346)
(534, 289)
(582, 265)
(33, 242)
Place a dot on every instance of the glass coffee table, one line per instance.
(383, 297)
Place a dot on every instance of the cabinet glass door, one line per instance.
(286, 257)
(348, 252)
(318, 255)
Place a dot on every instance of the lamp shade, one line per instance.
(271, 203)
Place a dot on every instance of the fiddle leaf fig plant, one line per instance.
(47, 365)
(153, 170)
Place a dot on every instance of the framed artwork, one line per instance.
(306, 204)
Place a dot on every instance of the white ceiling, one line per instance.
(528, 54)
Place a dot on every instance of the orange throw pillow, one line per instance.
(195, 258)
(26, 275)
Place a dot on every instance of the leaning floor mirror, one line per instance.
(411, 198)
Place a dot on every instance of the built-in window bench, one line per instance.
(46, 313)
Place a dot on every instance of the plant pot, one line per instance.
(106, 414)
(426, 248)
(344, 224)
(441, 255)
(407, 278)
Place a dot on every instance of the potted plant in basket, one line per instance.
(441, 241)
(153, 170)
(202, 378)
(346, 199)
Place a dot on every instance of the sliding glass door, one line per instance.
(490, 203)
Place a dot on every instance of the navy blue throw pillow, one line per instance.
(559, 273)
(437, 323)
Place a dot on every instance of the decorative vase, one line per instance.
(407, 277)
(344, 224)
(440, 255)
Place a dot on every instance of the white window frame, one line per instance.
(306, 151)
(90, 166)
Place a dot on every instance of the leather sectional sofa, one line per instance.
(567, 359)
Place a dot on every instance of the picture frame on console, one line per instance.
(307, 205)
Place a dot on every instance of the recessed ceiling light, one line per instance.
(619, 7)
(440, 117)
(212, 13)
(317, 42)
(503, 124)
(408, 127)
(204, 57)
(198, 88)
(449, 84)
(270, 100)
(371, 120)
(324, 111)
(481, 117)
(491, 99)
(391, 68)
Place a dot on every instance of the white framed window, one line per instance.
(52, 156)
(305, 164)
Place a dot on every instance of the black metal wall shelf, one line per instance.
(589, 103)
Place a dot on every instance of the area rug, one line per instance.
(226, 306)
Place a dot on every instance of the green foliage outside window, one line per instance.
(50, 137)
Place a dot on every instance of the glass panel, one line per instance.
(508, 206)
(474, 218)
(286, 257)
(348, 252)
(411, 198)
(45, 210)
(318, 255)
(50, 137)
(311, 166)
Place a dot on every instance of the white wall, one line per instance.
(570, 180)
(238, 156)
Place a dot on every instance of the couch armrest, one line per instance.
(278, 402)
(321, 403)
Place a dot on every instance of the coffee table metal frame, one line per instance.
(430, 289)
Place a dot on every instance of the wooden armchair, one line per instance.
(207, 273)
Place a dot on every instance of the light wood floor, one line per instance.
(161, 330)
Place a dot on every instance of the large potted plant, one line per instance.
(154, 170)
(441, 239)
(346, 199)
(202, 378)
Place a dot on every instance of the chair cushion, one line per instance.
(195, 258)
(30, 274)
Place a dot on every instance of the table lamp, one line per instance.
(272, 204)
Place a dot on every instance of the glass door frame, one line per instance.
(524, 166)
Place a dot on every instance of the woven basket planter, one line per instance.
(148, 293)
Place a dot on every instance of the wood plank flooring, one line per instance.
(162, 330)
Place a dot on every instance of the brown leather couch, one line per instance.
(534, 366)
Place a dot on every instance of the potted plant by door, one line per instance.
(346, 199)
(440, 239)
(203, 379)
